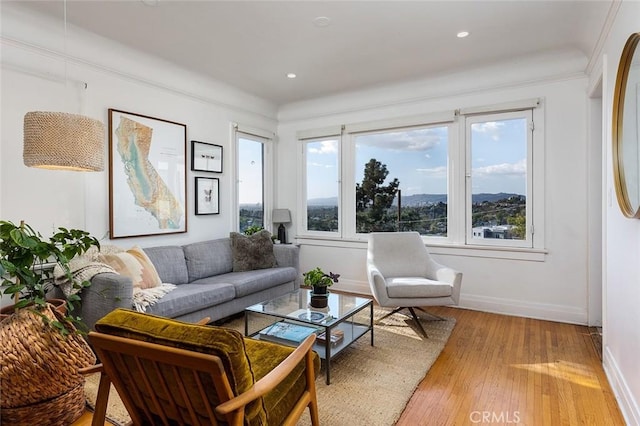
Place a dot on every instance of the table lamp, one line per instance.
(281, 216)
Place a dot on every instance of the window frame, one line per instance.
(350, 191)
(459, 195)
(469, 120)
(266, 138)
(302, 188)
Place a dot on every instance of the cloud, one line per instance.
(411, 140)
(504, 169)
(325, 166)
(326, 147)
(434, 171)
(491, 128)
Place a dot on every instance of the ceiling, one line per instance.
(252, 45)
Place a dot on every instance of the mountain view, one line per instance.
(420, 199)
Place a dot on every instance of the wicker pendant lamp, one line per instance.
(58, 140)
(62, 141)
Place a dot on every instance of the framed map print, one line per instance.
(207, 195)
(147, 175)
(206, 157)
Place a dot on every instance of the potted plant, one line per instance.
(26, 261)
(254, 229)
(42, 383)
(319, 280)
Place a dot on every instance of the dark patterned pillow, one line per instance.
(252, 252)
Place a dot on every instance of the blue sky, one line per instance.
(249, 171)
(417, 157)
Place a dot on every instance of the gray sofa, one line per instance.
(206, 283)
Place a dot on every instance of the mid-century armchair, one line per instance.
(402, 274)
(171, 372)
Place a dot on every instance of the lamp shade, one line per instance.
(57, 140)
(281, 216)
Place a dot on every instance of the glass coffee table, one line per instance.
(288, 319)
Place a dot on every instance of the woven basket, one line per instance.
(59, 411)
(39, 367)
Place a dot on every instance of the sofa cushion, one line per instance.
(170, 264)
(187, 298)
(252, 252)
(223, 342)
(249, 282)
(208, 258)
(134, 264)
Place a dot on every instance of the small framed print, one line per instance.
(207, 195)
(206, 157)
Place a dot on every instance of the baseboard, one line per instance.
(353, 286)
(628, 406)
(543, 311)
(520, 308)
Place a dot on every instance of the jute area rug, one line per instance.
(370, 385)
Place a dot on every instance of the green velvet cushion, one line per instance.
(225, 343)
(264, 357)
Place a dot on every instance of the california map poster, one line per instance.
(147, 172)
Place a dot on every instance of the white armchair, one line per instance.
(402, 274)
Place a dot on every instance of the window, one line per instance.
(253, 172)
(465, 178)
(322, 184)
(499, 179)
(401, 180)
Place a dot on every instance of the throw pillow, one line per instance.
(253, 251)
(134, 264)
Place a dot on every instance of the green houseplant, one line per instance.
(24, 256)
(319, 280)
(41, 384)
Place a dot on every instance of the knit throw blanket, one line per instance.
(85, 267)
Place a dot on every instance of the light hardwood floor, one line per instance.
(498, 369)
(503, 370)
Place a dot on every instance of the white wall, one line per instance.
(621, 272)
(33, 78)
(552, 287)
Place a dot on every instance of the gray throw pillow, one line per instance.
(252, 252)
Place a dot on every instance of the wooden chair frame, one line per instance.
(112, 350)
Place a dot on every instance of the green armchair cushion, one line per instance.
(225, 343)
(264, 357)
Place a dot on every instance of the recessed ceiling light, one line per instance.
(291, 75)
(321, 21)
(462, 34)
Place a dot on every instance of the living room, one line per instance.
(581, 267)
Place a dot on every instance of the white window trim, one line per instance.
(317, 136)
(500, 116)
(349, 200)
(267, 139)
(455, 242)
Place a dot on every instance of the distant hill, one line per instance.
(324, 202)
(479, 198)
(420, 199)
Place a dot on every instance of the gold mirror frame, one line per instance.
(625, 177)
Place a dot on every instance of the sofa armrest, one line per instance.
(288, 255)
(107, 292)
